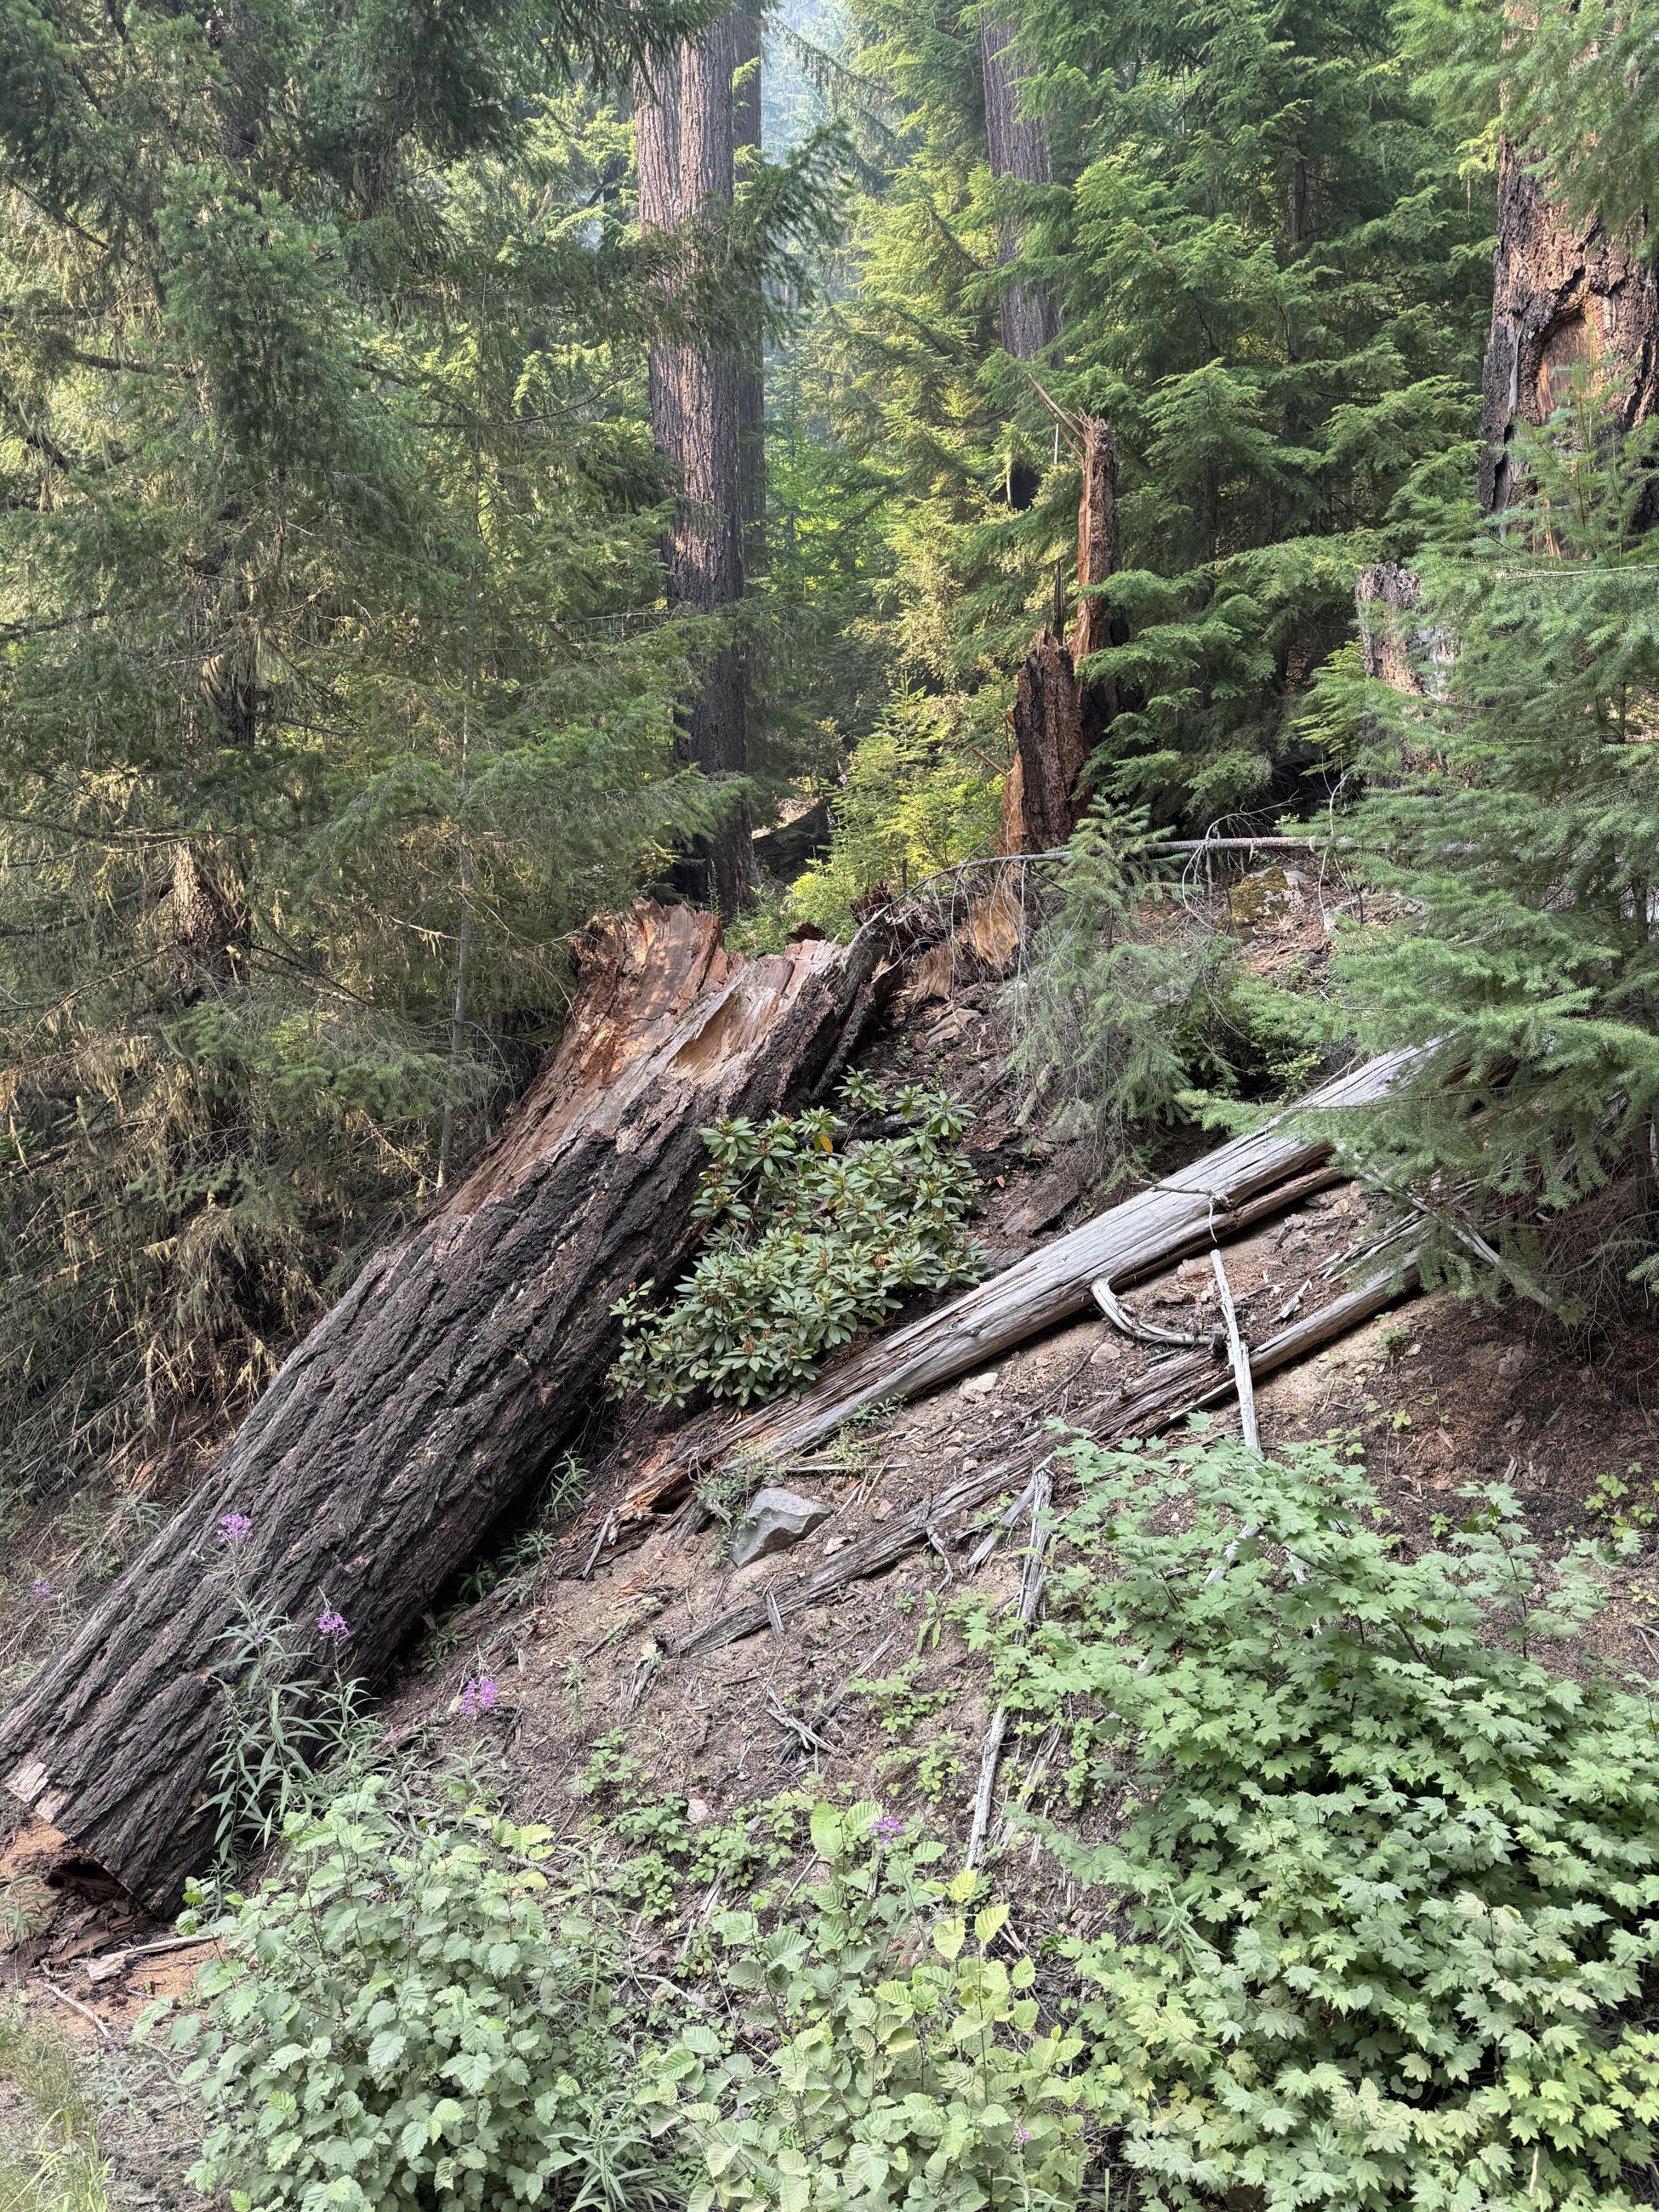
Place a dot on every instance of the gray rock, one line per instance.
(775, 1519)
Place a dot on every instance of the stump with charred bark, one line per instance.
(442, 1387)
(1562, 296)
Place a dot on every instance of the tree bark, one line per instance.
(684, 126)
(751, 372)
(1059, 716)
(1017, 145)
(440, 1388)
(1560, 297)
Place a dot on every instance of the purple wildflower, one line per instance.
(1021, 2134)
(333, 1623)
(41, 1588)
(887, 1827)
(478, 1697)
(233, 1526)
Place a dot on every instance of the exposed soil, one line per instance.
(1440, 1395)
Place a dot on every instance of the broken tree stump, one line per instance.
(1060, 712)
(442, 1387)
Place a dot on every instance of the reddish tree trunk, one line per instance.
(684, 153)
(751, 371)
(1561, 296)
(1061, 716)
(442, 1387)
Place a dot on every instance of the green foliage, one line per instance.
(1572, 92)
(335, 686)
(920, 791)
(50, 2159)
(654, 1854)
(411, 2016)
(1384, 1885)
(1119, 1013)
(1511, 824)
(807, 1245)
(880, 2053)
(291, 1733)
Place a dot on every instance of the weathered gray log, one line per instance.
(442, 1387)
(1185, 1212)
(1164, 1394)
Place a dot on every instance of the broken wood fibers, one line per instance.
(442, 1387)
(1186, 1211)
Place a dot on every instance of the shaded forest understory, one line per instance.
(828, 872)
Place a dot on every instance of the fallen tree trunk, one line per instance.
(1169, 1392)
(440, 1388)
(1186, 1211)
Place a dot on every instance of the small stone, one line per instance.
(979, 1385)
(697, 1810)
(776, 1518)
(1514, 1365)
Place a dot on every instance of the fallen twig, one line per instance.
(75, 2005)
(1030, 1596)
(1238, 1355)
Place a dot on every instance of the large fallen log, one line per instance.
(1216, 1196)
(1163, 1396)
(440, 1388)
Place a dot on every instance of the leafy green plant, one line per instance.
(292, 1731)
(412, 2017)
(50, 2159)
(879, 2054)
(1383, 1891)
(1510, 822)
(1115, 1018)
(897, 1702)
(807, 1245)
(1625, 1503)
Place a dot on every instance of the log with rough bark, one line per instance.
(441, 1389)
(1562, 296)
(1215, 1196)
(1166, 1394)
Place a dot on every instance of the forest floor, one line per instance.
(877, 1693)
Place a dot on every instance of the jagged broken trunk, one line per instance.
(442, 1387)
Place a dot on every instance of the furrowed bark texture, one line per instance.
(440, 1388)
(1017, 146)
(1185, 1212)
(685, 153)
(1560, 297)
(751, 370)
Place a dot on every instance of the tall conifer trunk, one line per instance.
(751, 378)
(685, 153)
(1017, 145)
(1562, 297)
